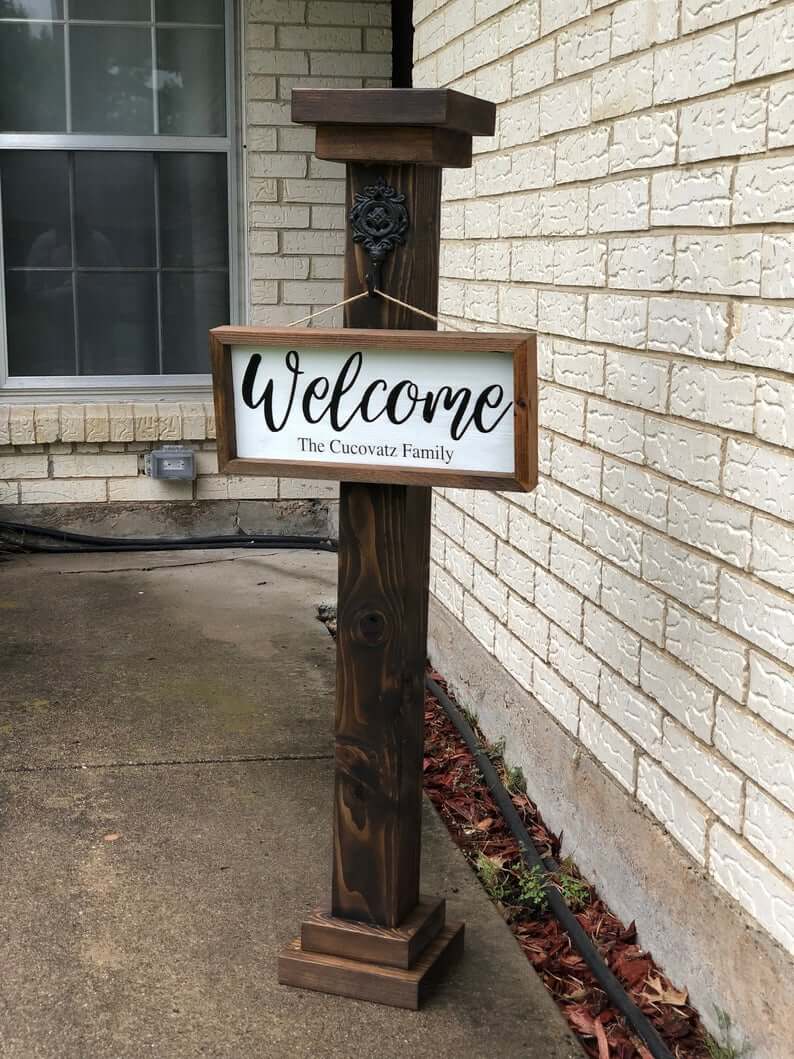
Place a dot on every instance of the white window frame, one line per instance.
(27, 389)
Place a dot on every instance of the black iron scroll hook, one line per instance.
(379, 221)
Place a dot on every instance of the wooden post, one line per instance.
(380, 941)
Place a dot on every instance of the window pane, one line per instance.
(111, 79)
(204, 11)
(114, 209)
(193, 302)
(40, 322)
(31, 9)
(193, 221)
(111, 10)
(34, 186)
(191, 82)
(31, 78)
(118, 323)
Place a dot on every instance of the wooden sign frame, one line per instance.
(522, 347)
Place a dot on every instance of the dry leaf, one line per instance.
(111, 837)
(663, 995)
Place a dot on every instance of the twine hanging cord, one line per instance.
(380, 294)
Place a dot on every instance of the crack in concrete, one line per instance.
(165, 566)
(263, 758)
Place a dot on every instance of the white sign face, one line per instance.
(444, 411)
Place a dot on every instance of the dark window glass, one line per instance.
(31, 9)
(209, 12)
(118, 323)
(191, 81)
(193, 302)
(110, 10)
(32, 97)
(40, 322)
(111, 68)
(34, 186)
(114, 209)
(193, 216)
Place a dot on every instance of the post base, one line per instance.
(391, 946)
(395, 986)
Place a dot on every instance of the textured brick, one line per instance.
(608, 745)
(637, 605)
(696, 328)
(635, 713)
(617, 318)
(103, 465)
(756, 749)
(560, 700)
(620, 205)
(622, 87)
(644, 141)
(719, 264)
(565, 107)
(635, 492)
(577, 467)
(612, 642)
(725, 125)
(517, 659)
(773, 553)
(712, 653)
(758, 614)
(690, 455)
(533, 68)
(774, 416)
(718, 527)
(621, 434)
(637, 379)
(530, 625)
(765, 43)
(680, 573)
(713, 395)
(770, 828)
(529, 535)
(584, 45)
(777, 266)
(705, 773)
(691, 197)
(642, 263)
(575, 565)
(561, 13)
(559, 603)
(694, 66)
(678, 691)
(582, 155)
(781, 113)
(64, 491)
(682, 815)
(639, 24)
(753, 884)
(760, 476)
(577, 366)
(764, 192)
(613, 537)
(763, 335)
(575, 663)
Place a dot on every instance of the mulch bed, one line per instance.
(459, 793)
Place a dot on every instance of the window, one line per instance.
(117, 191)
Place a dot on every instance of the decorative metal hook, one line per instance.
(379, 221)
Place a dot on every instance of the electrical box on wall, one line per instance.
(170, 461)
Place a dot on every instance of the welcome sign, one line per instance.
(414, 407)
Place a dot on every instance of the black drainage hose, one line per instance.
(29, 538)
(617, 995)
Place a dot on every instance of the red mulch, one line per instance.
(460, 795)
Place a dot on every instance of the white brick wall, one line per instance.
(631, 211)
(295, 215)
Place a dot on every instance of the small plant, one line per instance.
(726, 1049)
(575, 892)
(531, 887)
(514, 780)
(495, 751)
(493, 877)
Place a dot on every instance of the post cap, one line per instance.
(439, 108)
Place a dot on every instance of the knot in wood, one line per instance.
(370, 627)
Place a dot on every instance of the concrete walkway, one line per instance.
(165, 792)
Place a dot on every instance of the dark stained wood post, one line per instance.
(380, 941)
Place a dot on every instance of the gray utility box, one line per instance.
(170, 461)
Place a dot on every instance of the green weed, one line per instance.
(727, 1048)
